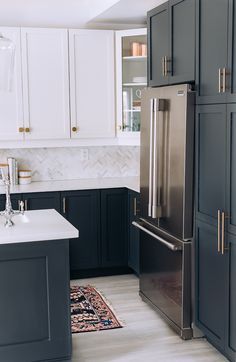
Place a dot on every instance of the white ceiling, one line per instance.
(73, 13)
(128, 11)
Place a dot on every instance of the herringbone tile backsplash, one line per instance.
(67, 163)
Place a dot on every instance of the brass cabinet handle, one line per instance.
(224, 73)
(222, 233)
(224, 80)
(64, 205)
(223, 247)
(218, 228)
(135, 206)
(27, 129)
(167, 61)
(219, 80)
(74, 129)
(21, 129)
(163, 66)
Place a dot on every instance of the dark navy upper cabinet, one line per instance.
(81, 209)
(171, 43)
(158, 44)
(114, 228)
(182, 41)
(231, 71)
(41, 200)
(216, 51)
(133, 250)
(211, 36)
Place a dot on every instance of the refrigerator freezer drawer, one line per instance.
(165, 278)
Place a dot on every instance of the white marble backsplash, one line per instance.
(68, 163)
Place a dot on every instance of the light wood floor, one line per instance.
(145, 338)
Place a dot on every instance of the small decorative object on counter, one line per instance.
(13, 170)
(24, 177)
(4, 168)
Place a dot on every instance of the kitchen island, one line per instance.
(35, 287)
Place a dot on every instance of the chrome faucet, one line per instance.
(8, 213)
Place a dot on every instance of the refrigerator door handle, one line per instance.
(159, 106)
(150, 159)
(154, 181)
(161, 240)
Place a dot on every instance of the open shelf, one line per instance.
(134, 84)
(138, 57)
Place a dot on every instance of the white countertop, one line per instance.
(37, 225)
(131, 183)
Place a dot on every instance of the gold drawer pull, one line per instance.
(219, 236)
(21, 129)
(27, 130)
(74, 129)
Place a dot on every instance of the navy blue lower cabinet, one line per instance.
(114, 228)
(211, 284)
(15, 199)
(230, 312)
(35, 302)
(133, 245)
(81, 209)
(41, 200)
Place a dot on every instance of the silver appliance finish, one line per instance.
(166, 215)
(167, 158)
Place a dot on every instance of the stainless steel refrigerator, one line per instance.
(166, 216)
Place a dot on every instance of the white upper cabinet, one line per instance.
(11, 112)
(45, 83)
(92, 83)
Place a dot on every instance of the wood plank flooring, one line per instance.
(145, 338)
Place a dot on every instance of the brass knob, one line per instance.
(21, 129)
(27, 129)
(74, 129)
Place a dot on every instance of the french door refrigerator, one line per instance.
(166, 213)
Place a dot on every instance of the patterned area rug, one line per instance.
(90, 311)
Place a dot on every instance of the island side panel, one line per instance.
(35, 301)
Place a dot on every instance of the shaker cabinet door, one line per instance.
(231, 168)
(11, 106)
(231, 70)
(158, 45)
(210, 161)
(211, 284)
(182, 41)
(114, 230)
(212, 36)
(42, 200)
(92, 83)
(81, 209)
(230, 313)
(133, 250)
(45, 83)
